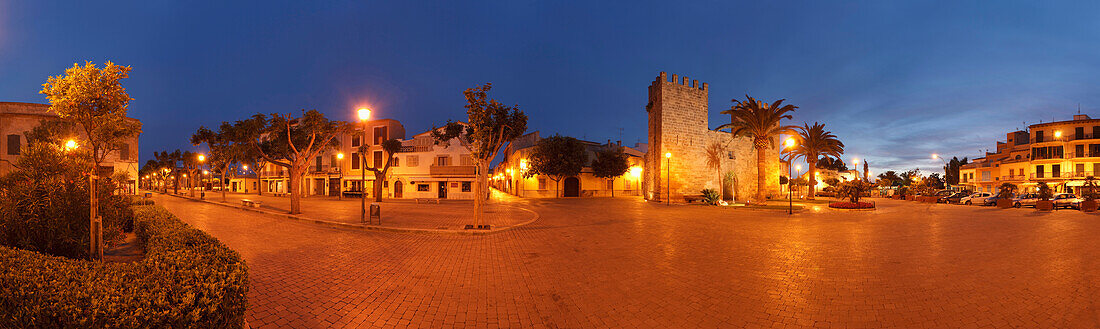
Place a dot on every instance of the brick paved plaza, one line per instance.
(622, 263)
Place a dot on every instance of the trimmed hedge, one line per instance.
(188, 279)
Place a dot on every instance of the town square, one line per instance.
(353, 164)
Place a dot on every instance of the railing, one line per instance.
(1049, 175)
(1083, 154)
(1013, 177)
(1047, 157)
(1084, 136)
(452, 170)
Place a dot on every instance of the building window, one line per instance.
(1055, 170)
(412, 160)
(1039, 171)
(422, 187)
(355, 140)
(985, 176)
(542, 183)
(396, 162)
(466, 187)
(378, 159)
(385, 183)
(13, 144)
(381, 134)
(319, 163)
(1080, 168)
(354, 160)
(443, 161)
(1039, 136)
(124, 152)
(466, 160)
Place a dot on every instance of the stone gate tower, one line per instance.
(678, 125)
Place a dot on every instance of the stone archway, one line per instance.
(398, 189)
(571, 188)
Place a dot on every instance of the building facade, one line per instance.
(508, 175)
(678, 112)
(1061, 153)
(16, 119)
(421, 169)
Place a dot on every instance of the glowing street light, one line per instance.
(71, 145)
(668, 178)
(364, 116)
(1057, 134)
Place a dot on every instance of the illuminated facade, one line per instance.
(1061, 153)
(508, 175)
(16, 119)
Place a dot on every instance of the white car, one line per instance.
(976, 198)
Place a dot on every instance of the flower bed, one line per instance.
(188, 279)
(850, 205)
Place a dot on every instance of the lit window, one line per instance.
(466, 187)
(542, 183)
(422, 187)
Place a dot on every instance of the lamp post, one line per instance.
(364, 116)
(202, 188)
(340, 169)
(798, 169)
(522, 180)
(790, 202)
(947, 184)
(668, 178)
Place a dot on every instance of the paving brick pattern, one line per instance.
(601, 263)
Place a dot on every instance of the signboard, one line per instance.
(454, 184)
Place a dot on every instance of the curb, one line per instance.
(369, 227)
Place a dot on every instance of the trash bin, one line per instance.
(375, 213)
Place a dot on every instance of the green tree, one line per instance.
(93, 98)
(226, 148)
(389, 149)
(812, 143)
(952, 169)
(292, 143)
(557, 157)
(1045, 193)
(490, 124)
(610, 163)
(762, 122)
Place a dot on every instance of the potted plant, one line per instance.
(1088, 193)
(1045, 194)
(1005, 194)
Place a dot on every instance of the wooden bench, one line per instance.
(251, 203)
(427, 200)
(693, 198)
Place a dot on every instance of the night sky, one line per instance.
(896, 82)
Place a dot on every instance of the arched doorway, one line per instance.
(572, 187)
(398, 189)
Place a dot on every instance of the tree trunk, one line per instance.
(378, 177)
(295, 194)
(480, 190)
(761, 173)
(224, 172)
(612, 187)
(259, 180)
(811, 180)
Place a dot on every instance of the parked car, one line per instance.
(953, 198)
(1028, 199)
(1066, 200)
(943, 193)
(976, 198)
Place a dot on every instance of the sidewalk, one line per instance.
(449, 216)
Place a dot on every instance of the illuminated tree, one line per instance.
(93, 98)
(389, 148)
(557, 157)
(814, 142)
(489, 125)
(292, 143)
(610, 163)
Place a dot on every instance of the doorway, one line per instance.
(442, 190)
(572, 187)
(398, 189)
(333, 186)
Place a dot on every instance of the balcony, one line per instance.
(452, 171)
(1083, 136)
(415, 148)
(1013, 178)
(1083, 154)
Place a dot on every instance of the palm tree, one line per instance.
(761, 122)
(813, 143)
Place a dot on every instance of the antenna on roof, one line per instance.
(1078, 108)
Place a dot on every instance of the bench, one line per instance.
(693, 198)
(427, 200)
(251, 203)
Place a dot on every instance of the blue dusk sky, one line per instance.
(896, 81)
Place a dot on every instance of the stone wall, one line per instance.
(678, 124)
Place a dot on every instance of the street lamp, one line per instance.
(71, 145)
(340, 169)
(202, 188)
(364, 116)
(798, 169)
(790, 202)
(946, 184)
(668, 178)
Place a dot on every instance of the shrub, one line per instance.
(1006, 191)
(853, 190)
(711, 196)
(1045, 193)
(44, 204)
(1088, 190)
(188, 279)
(852, 205)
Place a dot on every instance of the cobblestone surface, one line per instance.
(623, 263)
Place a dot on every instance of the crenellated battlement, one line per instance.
(677, 80)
